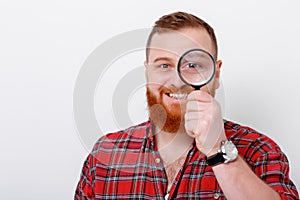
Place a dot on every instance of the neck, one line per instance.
(172, 146)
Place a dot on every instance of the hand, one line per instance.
(204, 122)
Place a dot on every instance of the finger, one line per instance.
(189, 127)
(192, 116)
(196, 106)
(196, 128)
(199, 95)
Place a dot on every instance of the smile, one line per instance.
(177, 96)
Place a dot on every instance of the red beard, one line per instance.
(167, 118)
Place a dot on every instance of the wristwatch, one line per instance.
(227, 153)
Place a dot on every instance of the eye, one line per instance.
(164, 66)
(192, 65)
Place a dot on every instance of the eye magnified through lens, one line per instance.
(196, 68)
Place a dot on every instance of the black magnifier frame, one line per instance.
(197, 87)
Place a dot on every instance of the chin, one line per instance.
(167, 116)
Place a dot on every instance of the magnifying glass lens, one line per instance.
(196, 67)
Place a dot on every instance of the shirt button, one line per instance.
(157, 160)
(216, 195)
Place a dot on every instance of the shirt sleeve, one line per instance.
(84, 190)
(273, 168)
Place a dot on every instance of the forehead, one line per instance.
(175, 43)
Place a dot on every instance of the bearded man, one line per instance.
(186, 150)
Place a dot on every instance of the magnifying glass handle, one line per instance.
(196, 87)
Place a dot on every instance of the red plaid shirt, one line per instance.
(127, 165)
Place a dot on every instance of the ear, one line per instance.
(218, 74)
(218, 68)
(146, 72)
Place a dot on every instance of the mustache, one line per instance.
(173, 89)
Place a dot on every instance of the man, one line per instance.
(186, 150)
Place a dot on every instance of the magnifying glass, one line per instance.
(196, 68)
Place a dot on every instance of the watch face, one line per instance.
(229, 151)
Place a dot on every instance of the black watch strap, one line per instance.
(215, 159)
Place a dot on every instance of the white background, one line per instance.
(44, 43)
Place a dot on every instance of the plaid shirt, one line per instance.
(127, 165)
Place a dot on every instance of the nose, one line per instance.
(176, 80)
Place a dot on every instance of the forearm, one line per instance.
(239, 182)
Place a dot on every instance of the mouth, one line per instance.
(177, 95)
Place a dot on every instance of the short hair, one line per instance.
(178, 21)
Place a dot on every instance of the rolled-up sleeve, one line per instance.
(273, 168)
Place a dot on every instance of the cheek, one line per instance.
(154, 88)
(210, 87)
(158, 78)
(155, 81)
(155, 85)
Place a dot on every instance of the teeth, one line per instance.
(178, 96)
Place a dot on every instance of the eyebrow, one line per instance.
(163, 59)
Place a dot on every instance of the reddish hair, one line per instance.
(181, 20)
